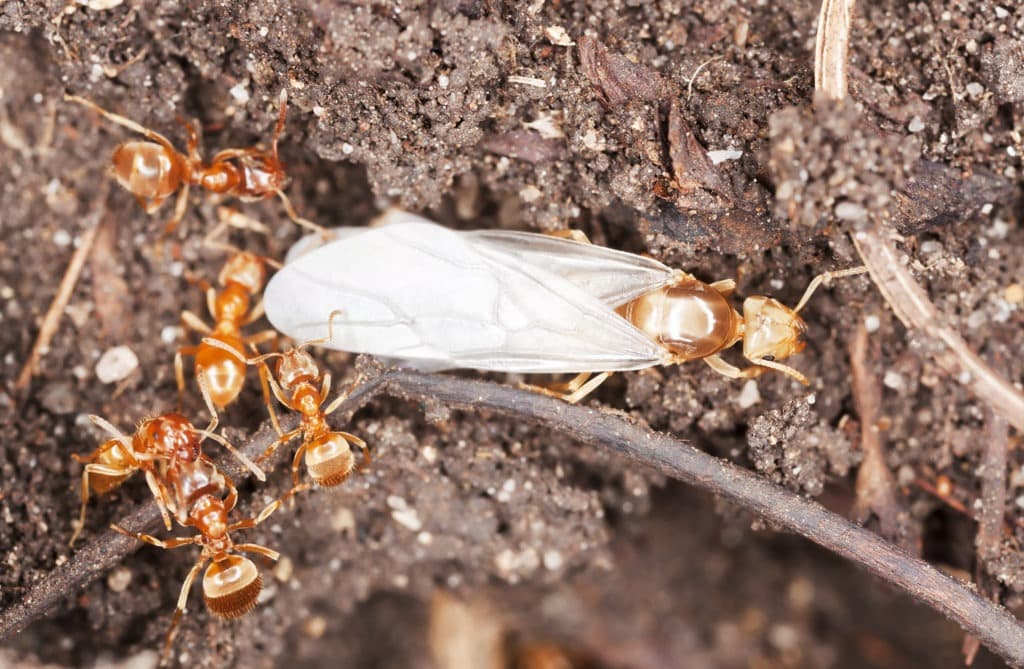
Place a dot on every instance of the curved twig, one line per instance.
(993, 625)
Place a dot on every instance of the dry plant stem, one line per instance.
(996, 628)
(831, 46)
(51, 321)
(991, 517)
(876, 487)
(911, 305)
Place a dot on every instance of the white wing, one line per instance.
(426, 294)
(613, 277)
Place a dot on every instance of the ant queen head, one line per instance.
(773, 331)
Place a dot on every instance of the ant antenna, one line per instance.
(825, 278)
(242, 457)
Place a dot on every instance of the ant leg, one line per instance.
(192, 322)
(733, 372)
(211, 302)
(204, 390)
(353, 439)
(124, 122)
(282, 100)
(238, 455)
(725, 287)
(264, 374)
(296, 463)
(574, 390)
(191, 140)
(259, 550)
(259, 337)
(283, 439)
(268, 510)
(179, 611)
(342, 396)
(99, 470)
(573, 235)
(179, 371)
(825, 278)
(302, 222)
(163, 498)
(179, 210)
(169, 544)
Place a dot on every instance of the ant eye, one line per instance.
(769, 358)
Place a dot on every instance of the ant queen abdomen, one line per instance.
(149, 171)
(690, 319)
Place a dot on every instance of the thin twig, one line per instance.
(51, 321)
(831, 46)
(991, 515)
(911, 305)
(876, 486)
(993, 625)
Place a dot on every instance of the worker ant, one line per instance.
(203, 498)
(221, 376)
(299, 384)
(154, 170)
(159, 448)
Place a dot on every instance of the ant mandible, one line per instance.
(153, 170)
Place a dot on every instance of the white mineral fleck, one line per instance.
(116, 364)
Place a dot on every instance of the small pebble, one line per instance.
(916, 124)
(119, 579)
(872, 323)
(408, 518)
(851, 211)
(116, 364)
(240, 93)
(1014, 293)
(314, 627)
(723, 155)
(749, 395)
(893, 380)
(284, 569)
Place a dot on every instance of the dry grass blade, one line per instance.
(51, 321)
(831, 46)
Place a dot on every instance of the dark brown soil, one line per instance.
(473, 529)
